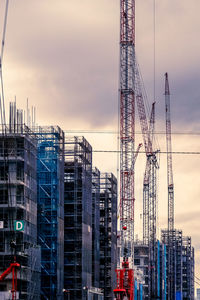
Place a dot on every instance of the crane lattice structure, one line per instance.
(146, 186)
(131, 91)
(170, 184)
(125, 275)
(149, 185)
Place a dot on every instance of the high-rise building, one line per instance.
(78, 218)
(50, 193)
(18, 211)
(108, 234)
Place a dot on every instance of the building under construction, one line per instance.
(95, 227)
(183, 264)
(108, 234)
(18, 210)
(78, 217)
(50, 215)
(73, 217)
(90, 224)
(188, 269)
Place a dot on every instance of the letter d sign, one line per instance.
(19, 225)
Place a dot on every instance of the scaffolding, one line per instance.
(141, 261)
(78, 217)
(188, 269)
(176, 256)
(108, 233)
(18, 205)
(50, 174)
(163, 271)
(95, 227)
(183, 264)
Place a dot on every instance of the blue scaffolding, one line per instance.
(50, 177)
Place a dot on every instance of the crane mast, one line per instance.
(152, 210)
(150, 205)
(146, 180)
(127, 127)
(125, 280)
(170, 184)
(150, 184)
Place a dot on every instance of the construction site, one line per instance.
(67, 228)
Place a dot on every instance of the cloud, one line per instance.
(71, 55)
(70, 51)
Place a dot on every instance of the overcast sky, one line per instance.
(64, 56)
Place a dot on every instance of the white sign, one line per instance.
(1, 224)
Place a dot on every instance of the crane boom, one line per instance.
(150, 197)
(142, 113)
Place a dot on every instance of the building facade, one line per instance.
(50, 194)
(95, 227)
(198, 294)
(18, 212)
(108, 234)
(183, 258)
(78, 218)
(187, 269)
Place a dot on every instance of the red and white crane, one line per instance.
(130, 92)
(125, 274)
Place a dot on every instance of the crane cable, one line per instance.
(2, 101)
(3, 120)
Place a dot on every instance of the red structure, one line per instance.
(12, 269)
(125, 283)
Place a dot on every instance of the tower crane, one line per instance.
(170, 184)
(150, 208)
(130, 93)
(150, 184)
(125, 273)
(146, 182)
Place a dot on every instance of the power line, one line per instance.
(197, 278)
(161, 152)
(137, 132)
